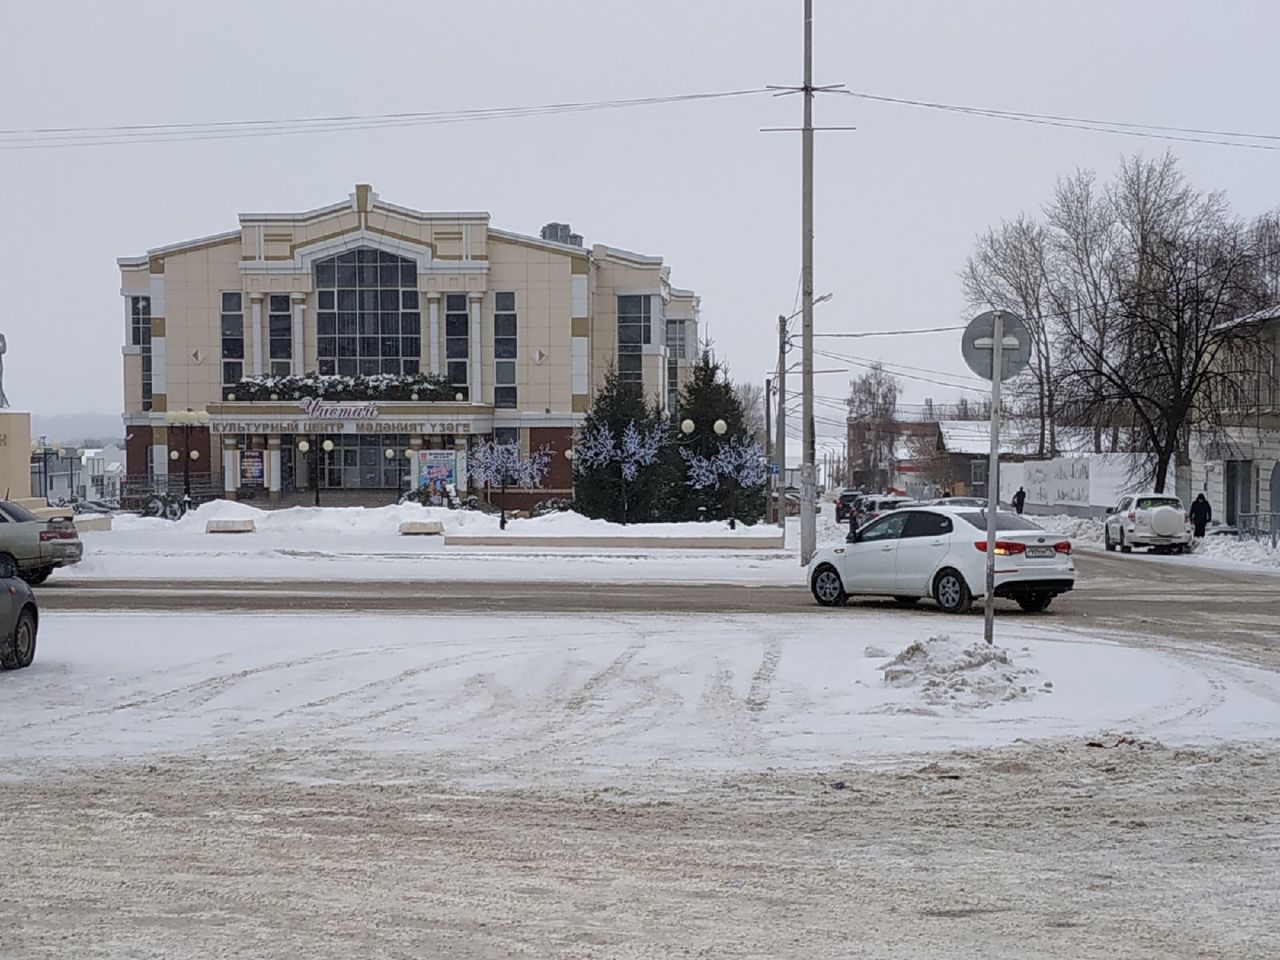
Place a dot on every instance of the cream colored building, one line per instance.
(522, 329)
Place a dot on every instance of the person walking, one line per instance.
(1201, 514)
(1019, 500)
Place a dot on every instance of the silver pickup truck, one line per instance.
(37, 547)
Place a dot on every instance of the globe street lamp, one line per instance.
(327, 447)
(390, 455)
(721, 428)
(186, 420)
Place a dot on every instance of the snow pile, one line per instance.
(1079, 529)
(1233, 550)
(972, 676)
(385, 522)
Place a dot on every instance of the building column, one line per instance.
(299, 302)
(274, 479)
(230, 467)
(255, 334)
(463, 474)
(159, 452)
(475, 383)
(433, 333)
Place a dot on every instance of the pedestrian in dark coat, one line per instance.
(1019, 499)
(1201, 514)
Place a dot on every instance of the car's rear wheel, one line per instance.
(827, 587)
(1037, 602)
(951, 593)
(906, 601)
(1124, 547)
(37, 576)
(1107, 541)
(19, 649)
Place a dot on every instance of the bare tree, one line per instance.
(1008, 272)
(1132, 291)
(751, 397)
(1148, 281)
(873, 407)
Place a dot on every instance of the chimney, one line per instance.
(561, 233)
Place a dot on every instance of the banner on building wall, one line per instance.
(438, 470)
(251, 468)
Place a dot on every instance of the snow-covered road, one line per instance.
(640, 702)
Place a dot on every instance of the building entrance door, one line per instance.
(1237, 491)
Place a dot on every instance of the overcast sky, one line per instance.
(898, 201)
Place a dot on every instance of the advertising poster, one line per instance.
(251, 468)
(438, 470)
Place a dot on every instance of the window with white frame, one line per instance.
(675, 353)
(279, 335)
(140, 337)
(232, 326)
(504, 350)
(367, 318)
(457, 342)
(634, 321)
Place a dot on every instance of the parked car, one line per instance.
(870, 508)
(19, 619)
(1155, 520)
(979, 503)
(847, 505)
(37, 547)
(941, 552)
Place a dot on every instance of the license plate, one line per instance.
(1039, 553)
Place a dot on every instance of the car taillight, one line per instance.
(47, 535)
(1132, 516)
(1004, 548)
(1063, 547)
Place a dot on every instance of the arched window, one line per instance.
(367, 318)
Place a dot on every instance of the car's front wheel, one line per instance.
(1037, 602)
(1107, 541)
(951, 592)
(827, 587)
(20, 648)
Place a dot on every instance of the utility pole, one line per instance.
(768, 446)
(808, 493)
(780, 426)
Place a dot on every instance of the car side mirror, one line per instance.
(8, 569)
(852, 537)
(1110, 510)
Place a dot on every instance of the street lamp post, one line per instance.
(327, 447)
(721, 428)
(187, 420)
(390, 455)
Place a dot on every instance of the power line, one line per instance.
(1115, 127)
(112, 135)
(892, 333)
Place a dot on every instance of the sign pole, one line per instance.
(993, 476)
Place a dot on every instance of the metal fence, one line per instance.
(1260, 526)
(166, 495)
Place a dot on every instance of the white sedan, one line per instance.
(940, 552)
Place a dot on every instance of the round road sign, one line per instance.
(978, 345)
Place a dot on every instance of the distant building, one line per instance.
(521, 329)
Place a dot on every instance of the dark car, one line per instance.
(19, 618)
(846, 505)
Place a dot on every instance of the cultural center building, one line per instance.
(360, 343)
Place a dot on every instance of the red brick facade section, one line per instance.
(137, 450)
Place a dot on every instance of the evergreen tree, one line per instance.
(709, 396)
(617, 463)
